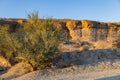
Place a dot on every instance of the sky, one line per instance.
(97, 10)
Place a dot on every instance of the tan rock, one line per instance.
(93, 31)
(75, 30)
(4, 64)
(102, 45)
(17, 70)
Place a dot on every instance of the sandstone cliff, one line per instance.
(85, 30)
(93, 52)
(93, 31)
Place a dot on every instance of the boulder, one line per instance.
(4, 64)
(16, 71)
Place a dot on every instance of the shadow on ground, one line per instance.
(86, 57)
(2, 72)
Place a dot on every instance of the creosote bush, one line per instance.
(35, 42)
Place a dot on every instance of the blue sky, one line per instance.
(98, 10)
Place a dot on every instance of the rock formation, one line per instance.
(93, 31)
(85, 30)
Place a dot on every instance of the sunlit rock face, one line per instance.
(75, 29)
(114, 32)
(93, 31)
(85, 30)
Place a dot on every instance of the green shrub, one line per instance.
(40, 43)
(35, 42)
(8, 42)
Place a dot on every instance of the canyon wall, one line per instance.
(93, 31)
(85, 30)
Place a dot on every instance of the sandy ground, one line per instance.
(100, 71)
(102, 75)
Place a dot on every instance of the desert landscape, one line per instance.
(60, 40)
(88, 50)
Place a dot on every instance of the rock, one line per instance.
(4, 64)
(74, 28)
(84, 47)
(93, 31)
(78, 29)
(102, 44)
(17, 70)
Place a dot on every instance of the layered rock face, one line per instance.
(85, 30)
(93, 31)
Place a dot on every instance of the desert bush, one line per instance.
(8, 42)
(35, 42)
(40, 41)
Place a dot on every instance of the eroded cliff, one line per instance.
(93, 31)
(85, 30)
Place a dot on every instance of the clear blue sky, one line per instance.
(99, 10)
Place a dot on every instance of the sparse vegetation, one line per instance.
(35, 42)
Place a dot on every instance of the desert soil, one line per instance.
(102, 75)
